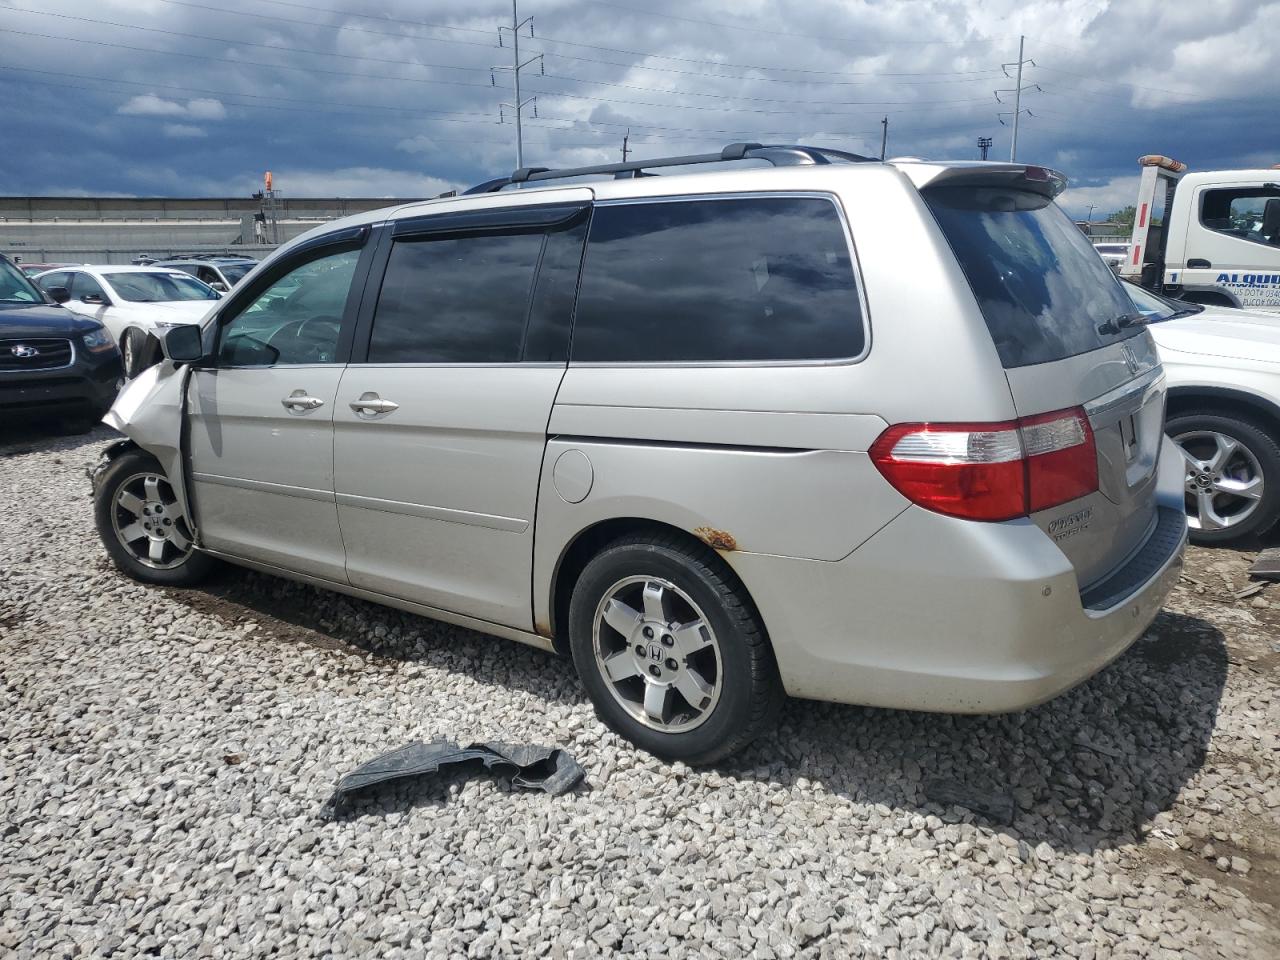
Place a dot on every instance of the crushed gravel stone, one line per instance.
(165, 752)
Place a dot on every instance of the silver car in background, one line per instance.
(702, 433)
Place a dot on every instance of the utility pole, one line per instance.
(625, 137)
(884, 136)
(984, 144)
(518, 105)
(1089, 218)
(1017, 95)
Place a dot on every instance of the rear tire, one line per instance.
(142, 527)
(671, 649)
(1232, 484)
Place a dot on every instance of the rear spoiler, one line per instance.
(977, 173)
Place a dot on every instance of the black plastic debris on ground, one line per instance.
(1267, 566)
(530, 767)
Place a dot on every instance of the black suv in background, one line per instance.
(53, 364)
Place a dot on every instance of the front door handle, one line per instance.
(1196, 263)
(298, 400)
(370, 405)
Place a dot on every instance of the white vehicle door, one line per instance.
(1233, 242)
(89, 299)
(261, 412)
(441, 423)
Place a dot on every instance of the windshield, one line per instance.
(1155, 308)
(159, 287)
(1045, 293)
(15, 287)
(234, 272)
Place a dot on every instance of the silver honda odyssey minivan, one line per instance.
(789, 421)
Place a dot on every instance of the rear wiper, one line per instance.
(1120, 323)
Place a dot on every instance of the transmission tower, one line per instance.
(518, 105)
(984, 144)
(1017, 89)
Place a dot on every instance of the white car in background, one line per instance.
(1223, 371)
(1114, 254)
(136, 304)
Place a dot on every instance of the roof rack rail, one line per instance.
(780, 155)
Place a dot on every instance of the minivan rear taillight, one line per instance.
(991, 471)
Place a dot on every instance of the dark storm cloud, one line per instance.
(395, 98)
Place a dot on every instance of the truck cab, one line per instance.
(1211, 237)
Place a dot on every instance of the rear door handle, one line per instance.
(298, 400)
(370, 405)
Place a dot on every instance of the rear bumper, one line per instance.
(939, 614)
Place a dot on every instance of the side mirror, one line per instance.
(94, 299)
(219, 286)
(182, 344)
(58, 294)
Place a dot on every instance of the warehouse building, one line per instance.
(119, 229)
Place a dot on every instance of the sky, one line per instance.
(396, 98)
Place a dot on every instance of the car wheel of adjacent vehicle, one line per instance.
(1232, 482)
(131, 352)
(142, 526)
(671, 649)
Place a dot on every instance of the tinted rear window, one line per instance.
(1042, 288)
(752, 278)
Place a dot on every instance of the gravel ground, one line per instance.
(165, 755)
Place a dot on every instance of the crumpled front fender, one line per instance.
(149, 412)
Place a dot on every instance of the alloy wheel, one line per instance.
(1224, 481)
(149, 523)
(657, 654)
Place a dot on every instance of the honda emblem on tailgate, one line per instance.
(23, 352)
(1130, 358)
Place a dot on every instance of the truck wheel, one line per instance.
(671, 649)
(142, 527)
(1232, 483)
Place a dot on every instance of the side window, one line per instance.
(83, 285)
(1248, 213)
(740, 279)
(298, 319)
(208, 275)
(51, 280)
(455, 300)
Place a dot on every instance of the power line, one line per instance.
(236, 42)
(776, 33)
(574, 43)
(361, 109)
(411, 63)
(239, 63)
(415, 63)
(461, 83)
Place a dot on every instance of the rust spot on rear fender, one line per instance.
(718, 539)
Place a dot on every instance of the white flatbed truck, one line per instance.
(1211, 237)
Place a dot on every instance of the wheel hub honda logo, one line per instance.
(655, 652)
(23, 352)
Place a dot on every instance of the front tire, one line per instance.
(138, 351)
(671, 649)
(142, 526)
(1232, 479)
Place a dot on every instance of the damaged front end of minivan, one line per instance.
(149, 412)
